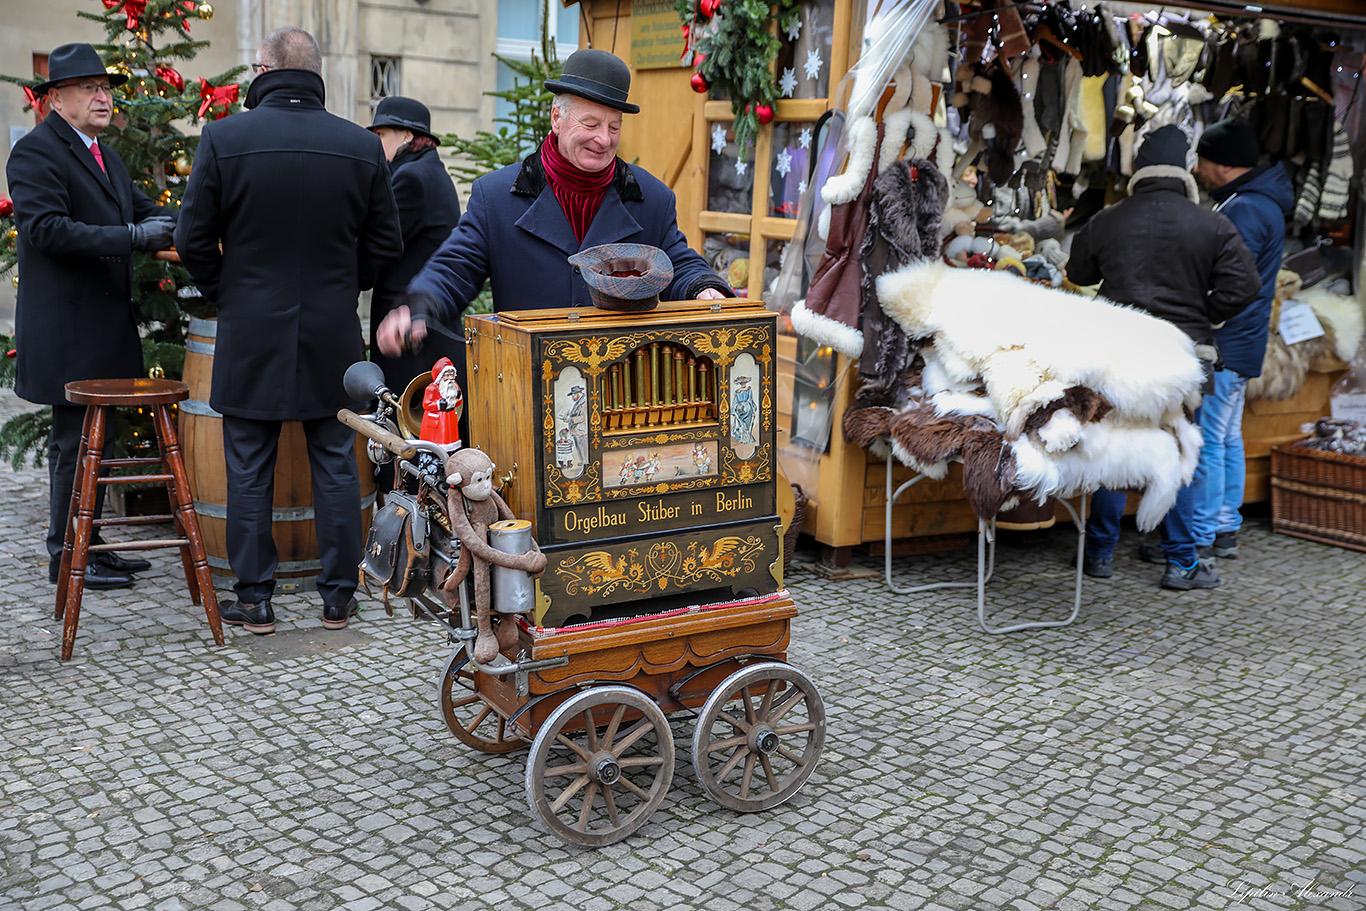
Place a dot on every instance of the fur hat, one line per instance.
(1231, 142)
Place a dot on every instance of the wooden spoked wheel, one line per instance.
(470, 718)
(758, 736)
(600, 765)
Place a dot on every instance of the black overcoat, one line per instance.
(428, 210)
(74, 319)
(300, 201)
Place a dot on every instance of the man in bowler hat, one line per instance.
(79, 218)
(525, 220)
(299, 200)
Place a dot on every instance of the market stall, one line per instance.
(1028, 111)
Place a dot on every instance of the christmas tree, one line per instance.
(147, 41)
(521, 131)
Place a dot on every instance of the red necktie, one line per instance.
(99, 156)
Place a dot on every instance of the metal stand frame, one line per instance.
(986, 560)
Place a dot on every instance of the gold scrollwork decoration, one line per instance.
(665, 565)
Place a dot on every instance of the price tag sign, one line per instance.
(1298, 322)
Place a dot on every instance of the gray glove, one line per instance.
(155, 233)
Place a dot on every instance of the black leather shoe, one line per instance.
(254, 618)
(338, 617)
(97, 576)
(119, 564)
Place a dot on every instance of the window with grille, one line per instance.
(384, 78)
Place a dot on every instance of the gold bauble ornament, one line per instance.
(156, 372)
(120, 69)
(182, 165)
(15, 280)
(12, 233)
(205, 11)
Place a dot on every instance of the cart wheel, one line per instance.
(596, 785)
(758, 736)
(469, 717)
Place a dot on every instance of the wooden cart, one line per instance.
(641, 449)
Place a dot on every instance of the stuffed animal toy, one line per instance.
(965, 211)
(473, 505)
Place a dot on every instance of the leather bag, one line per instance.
(398, 550)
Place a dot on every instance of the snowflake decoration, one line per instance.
(813, 64)
(741, 166)
(801, 187)
(804, 138)
(784, 163)
(789, 82)
(718, 139)
(794, 27)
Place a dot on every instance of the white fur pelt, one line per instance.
(1027, 344)
(1001, 347)
(1341, 314)
(1156, 459)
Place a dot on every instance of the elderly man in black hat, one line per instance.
(524, 221)
(428, 210)
(79, 218)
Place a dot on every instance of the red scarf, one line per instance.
(579, 192)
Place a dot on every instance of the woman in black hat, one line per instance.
(428, 209)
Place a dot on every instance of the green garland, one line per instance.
(736, 43)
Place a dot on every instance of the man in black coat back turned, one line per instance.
(79, 218)
(300, 201)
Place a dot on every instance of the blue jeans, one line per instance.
(1222, 471)
(1178, 534)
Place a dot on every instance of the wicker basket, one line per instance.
(1319, 495)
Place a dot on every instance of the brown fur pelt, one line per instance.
(865, 426)
(1087, 405)
(988, 473)
(929, 437)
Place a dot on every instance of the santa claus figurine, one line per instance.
(441, 404)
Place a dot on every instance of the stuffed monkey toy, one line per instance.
(473, 505)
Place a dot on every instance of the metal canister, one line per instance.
(514, 592)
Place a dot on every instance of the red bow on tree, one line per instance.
(6, 206)
(36, 102)
(171, 78)
(215, 95)
(133, 9)
(191, 9)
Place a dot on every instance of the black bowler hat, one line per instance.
(597, 76)
(404, 114)
(75, 61)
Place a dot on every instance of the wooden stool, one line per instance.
(156, 396)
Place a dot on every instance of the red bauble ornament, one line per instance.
(707, 8)
(764, 112)
(699, 83)
(697, 60)
(169, 76)
(6, 206)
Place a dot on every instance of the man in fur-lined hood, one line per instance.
(1162, 252)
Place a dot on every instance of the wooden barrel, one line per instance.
(201, 438)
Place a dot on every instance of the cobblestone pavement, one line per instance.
(1194, 750)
